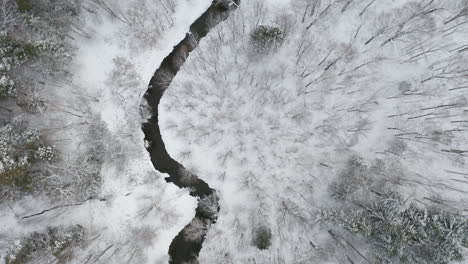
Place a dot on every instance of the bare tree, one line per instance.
(461, 11)
(9, 14)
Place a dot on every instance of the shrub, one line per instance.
(24, 5)
(16, 176)
(265, 39)
(262, 237)
(401, 232)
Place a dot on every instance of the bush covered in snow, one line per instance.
(401, 232)
(262, 237)
(6, 87)
(24, 5)
(19, 150)
(266, 38)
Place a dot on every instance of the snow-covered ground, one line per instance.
(136, 213)
(273, 133)
(380, 85)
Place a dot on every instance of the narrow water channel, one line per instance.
(187, 244)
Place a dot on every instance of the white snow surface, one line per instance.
(270, 133)
(138, 213)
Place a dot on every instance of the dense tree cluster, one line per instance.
(13, 53)
(32, 43)
(401, 232)
(33, 49)
(38, 245)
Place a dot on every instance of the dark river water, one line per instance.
(186, 246)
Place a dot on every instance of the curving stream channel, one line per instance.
(187, 244)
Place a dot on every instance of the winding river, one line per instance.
(187, 244)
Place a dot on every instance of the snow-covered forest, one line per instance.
(294, 132)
